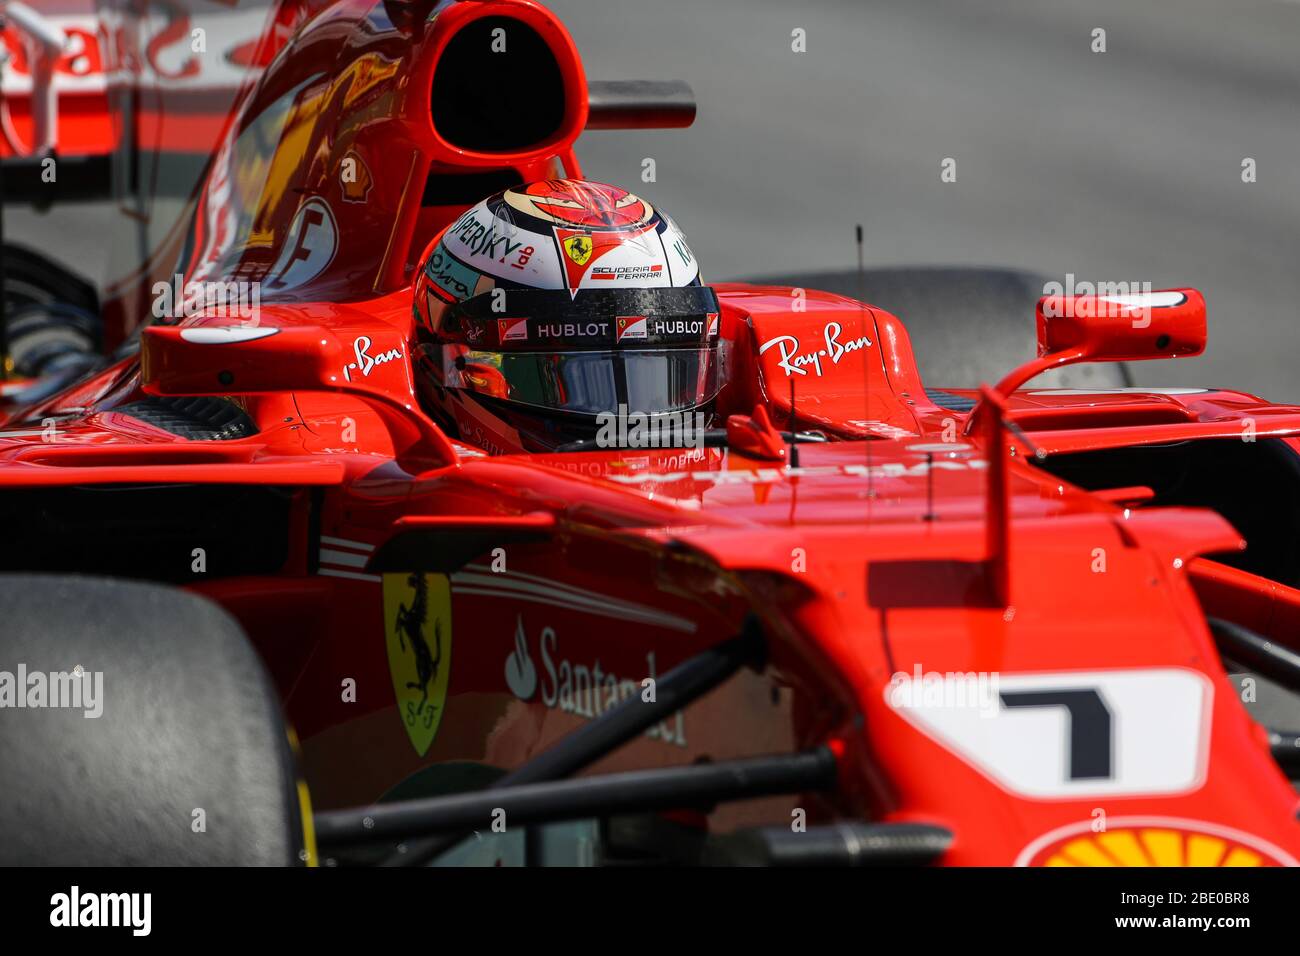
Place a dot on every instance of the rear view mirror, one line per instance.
(1113, 328)
(1123, 328)
(250, 359)
(237, 359)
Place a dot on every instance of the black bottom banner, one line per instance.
(330, 906)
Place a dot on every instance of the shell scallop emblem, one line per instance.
(1153, 843)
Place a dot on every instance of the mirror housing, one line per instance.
(238, 359)
(1107, 328)
(1123, 328)
(250, 359)
(1113, 328)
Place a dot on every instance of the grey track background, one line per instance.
(1116, 166)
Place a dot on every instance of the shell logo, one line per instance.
(1152, 842)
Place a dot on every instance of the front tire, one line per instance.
(188, 763)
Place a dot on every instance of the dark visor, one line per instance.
(639, 350)
(650, 381)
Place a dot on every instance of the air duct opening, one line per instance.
(497, 88)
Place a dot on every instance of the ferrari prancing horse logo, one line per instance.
(417, 630)
(578, 248)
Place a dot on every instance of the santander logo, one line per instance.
(795, 362)
(521, 673)
(583, 689)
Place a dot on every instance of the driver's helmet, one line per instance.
(547, 309)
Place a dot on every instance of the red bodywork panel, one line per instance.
(898, 549)
(180, 99)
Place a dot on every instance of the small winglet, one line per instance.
(997, 508)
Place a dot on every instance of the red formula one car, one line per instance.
(787, 604)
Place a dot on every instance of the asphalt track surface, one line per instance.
(1116, 166)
